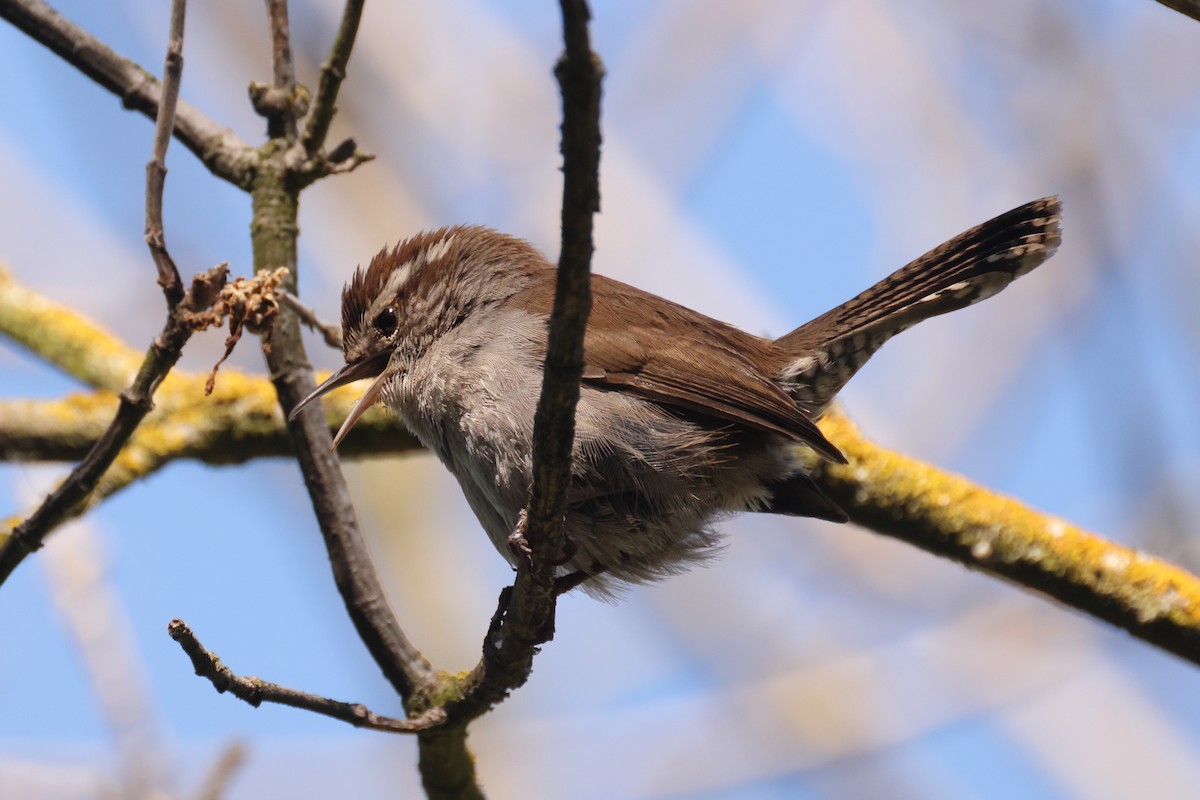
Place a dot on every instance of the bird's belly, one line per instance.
(647, 485)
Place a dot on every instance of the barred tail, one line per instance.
(968, 268)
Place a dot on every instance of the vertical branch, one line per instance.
(274, 230)
(275, 199)
(579, 73)
(156, 168)
(333, 72)
(281, 102)
(525, 618)
(281, 44)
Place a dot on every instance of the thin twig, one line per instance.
(281, 113)
(525, 618)
(579, 73)
(256, 691)
(308, 316)
(333, 72)
(156, 167)
(135, 403)
(225, 155)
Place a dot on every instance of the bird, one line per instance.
(682, 419)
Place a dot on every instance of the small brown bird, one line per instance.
(681, 418)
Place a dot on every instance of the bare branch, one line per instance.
(354, 572)
(308, 317)
(225, 155)
(156, 168)
(256, 691)
(274, 228)
(525, 618)
(281, 102)
(333, 72)
(531, 612)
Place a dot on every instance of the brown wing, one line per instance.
(668, 354)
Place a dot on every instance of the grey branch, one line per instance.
(278, 103)
(525, 617)
(256, 691)
(156, 168)
(333, 72)
(225, 155)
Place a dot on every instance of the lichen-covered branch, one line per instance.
(239, 422)
(949, 516)
(225, 155)
(61, 337)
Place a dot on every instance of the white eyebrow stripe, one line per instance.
(402, 274)
(437, 250)
(398, 278)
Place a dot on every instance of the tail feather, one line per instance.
(970, 267)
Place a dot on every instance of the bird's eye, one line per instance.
(386, 321)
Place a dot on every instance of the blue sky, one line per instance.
(761, 164)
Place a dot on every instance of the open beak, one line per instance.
(368, 368)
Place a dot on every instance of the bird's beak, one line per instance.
(367, 368)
